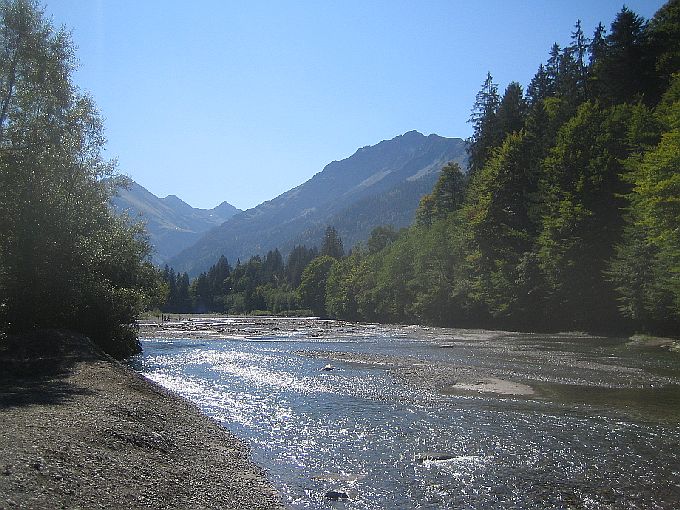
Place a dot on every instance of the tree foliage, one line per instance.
(646, 268)
(65, 260)
(331, 245)
(312, 288)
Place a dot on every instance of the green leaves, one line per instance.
(65, 260)
(312, 289)
(646, 268)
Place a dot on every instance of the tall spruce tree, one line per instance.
(624, 72)
(539, 87)
(299, 257)
(484, 125)
(332, 244)
(511, 112)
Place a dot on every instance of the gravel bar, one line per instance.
(80, 430)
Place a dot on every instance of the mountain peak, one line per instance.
(172, 224)
(175, 201)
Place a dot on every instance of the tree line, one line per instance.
(262, 284)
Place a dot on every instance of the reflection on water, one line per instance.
(360, 431)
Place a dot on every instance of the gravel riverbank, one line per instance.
(79, 430)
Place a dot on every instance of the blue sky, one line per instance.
(215, 100)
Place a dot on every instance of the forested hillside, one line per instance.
(570, 215)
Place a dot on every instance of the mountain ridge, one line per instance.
(171, 223)
(292, 217)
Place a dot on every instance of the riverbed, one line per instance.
(410, 417)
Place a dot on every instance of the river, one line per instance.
(436, 418)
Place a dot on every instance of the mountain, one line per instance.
(380, 184)
(172, 224)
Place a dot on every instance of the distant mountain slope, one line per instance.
(172, 224)
(377, 185)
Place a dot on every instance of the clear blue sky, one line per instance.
(217, 100)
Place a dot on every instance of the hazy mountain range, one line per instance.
(378, 185)
(172, 224)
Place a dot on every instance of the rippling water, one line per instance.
(359, 430)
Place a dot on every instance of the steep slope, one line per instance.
(354, 192)
(172, 224)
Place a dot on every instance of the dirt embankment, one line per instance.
(79, 430)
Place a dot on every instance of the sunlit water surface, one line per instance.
(358, 430)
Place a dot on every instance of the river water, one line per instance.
(598, 430)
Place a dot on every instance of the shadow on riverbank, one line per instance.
(34, 368)
(80, 430)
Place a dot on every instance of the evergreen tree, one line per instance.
(483, 120)
(273, 267)
(624, 73)
(447, 196)
(663, 39)
(183, 299)
(218, 283)
(573, 78)
(598, 46)
(579, 50)
(332, 244)
(201, 295)
(298, 259)
(511, 111)
(553, 69)
(539, 87)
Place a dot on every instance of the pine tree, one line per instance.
(598, 46)
(483, 120)
(553, 68)
(273, 267)
(539, 87)
(332, 244)
(297, 260)
(579, 48)
(624, 73)
(663, 43)
(511, 111)
(183, 299)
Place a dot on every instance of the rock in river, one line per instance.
(334, 495)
